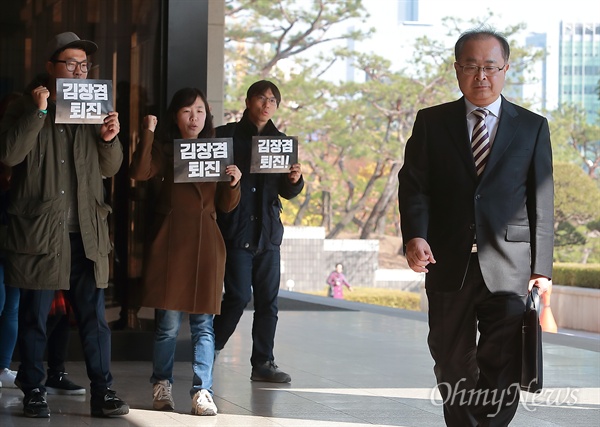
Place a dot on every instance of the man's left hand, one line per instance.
(110, 128)
(295, 173)
(541, 282)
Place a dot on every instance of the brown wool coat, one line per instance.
(185, 259)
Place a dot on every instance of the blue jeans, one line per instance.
(168, 323)
(87, 302)
(250, 271)
(9, 320)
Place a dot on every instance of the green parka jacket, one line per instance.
(37, 245)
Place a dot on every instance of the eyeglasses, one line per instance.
(263, 99)
(71, 64)
(472, 70)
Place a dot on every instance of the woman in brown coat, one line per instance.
(185, 262)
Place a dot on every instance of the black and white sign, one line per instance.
(273, 154)
(202, 160)
(83, 101)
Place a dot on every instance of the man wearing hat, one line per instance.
(57, 236)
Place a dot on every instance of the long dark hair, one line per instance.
(184, 98)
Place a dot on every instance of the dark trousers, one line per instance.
(87, 302)
(477, 379)
(58, 330)
(250, 272)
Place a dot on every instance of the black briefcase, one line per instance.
(532, 366)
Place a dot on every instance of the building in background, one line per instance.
(535, 87)
(579, 66)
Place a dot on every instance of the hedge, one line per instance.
(380, 296)
(581, 275)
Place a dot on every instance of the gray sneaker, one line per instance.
(162, 397)
(203, 403)
(269, 372)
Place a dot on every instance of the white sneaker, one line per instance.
(163, 399)
(7, 378)
(203, 404)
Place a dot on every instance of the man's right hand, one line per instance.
(40, 97)
(419, 255)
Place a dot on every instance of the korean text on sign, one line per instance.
(85, 99)
(275, 152)
(203, 158)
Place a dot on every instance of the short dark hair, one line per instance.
(260, 87)
(478, 34)
(184, 98)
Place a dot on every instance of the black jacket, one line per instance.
(256, 222)
(510, 207)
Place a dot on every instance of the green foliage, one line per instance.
(594, 225)
(352, 134)
(580, 253)
(263, 32)
(576, 196)
(574, 140)
(379, 296)
(566, 234)
(571, 274)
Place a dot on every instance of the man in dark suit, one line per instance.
(476, 192)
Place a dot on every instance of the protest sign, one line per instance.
(273, 154)
(201, 160)
(83, 101)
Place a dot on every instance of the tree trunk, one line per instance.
(326, 210)
(350, 213)
(305, 204)
(586, 254)
(380, 208)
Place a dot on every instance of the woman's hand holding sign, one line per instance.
(150, 122)
(234, 173)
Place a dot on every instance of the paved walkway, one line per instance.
(351, 364)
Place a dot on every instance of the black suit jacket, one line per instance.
(510, 207)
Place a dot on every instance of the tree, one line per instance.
(574, 139)
(351, 134)
(276, 30)
(576, 197)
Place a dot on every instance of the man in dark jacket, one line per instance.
(57, 235)
(253, 233)
(476, 203)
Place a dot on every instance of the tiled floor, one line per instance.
(352, 365)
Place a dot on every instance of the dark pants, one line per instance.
(58, 330)
(87, 302)
(477, 379)
(250, 272)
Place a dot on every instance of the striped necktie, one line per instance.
(480, 141)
